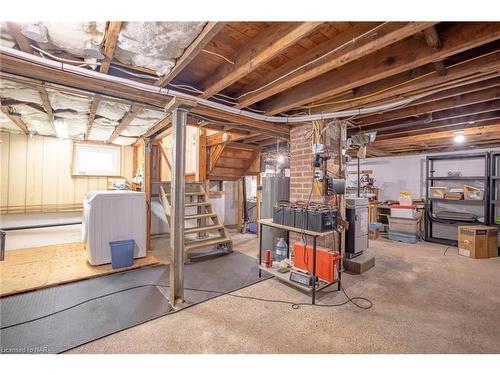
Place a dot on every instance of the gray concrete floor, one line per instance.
(424, 302)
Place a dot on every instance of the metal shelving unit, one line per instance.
(430, 202)
(494, 193)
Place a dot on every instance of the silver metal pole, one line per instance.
(179, 117)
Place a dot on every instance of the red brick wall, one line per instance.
(301, 171)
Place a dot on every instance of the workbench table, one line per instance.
(285, 277)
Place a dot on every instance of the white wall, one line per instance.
(393, 174)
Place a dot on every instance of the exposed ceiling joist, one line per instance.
(389, 61)
(418, 80)
(210, 30)
(47, 106)
(270, 43)
(125, 121)
(434, 42)
(454, 123)
(15, 119)
(93, 109)
(112, 32)
(357, 41)
(433, 106)
(159, 126)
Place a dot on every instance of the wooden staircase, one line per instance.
(208, 231)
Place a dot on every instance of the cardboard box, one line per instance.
(478, 241)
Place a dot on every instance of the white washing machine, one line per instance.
(113, 216)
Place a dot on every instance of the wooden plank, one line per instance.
(93, 109)
(354, 48)
(22, 42)
(215, 153)
(389, 61)
(210, 30)
(268, 44)
(111, 38)
(418, 80)
(434, 42)
(125, 121)
(438, 105)
(202, 156)
(15, 119)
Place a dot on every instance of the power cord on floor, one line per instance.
(466, 242)
(294, 305)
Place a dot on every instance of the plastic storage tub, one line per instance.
(403, 225)
(473, 194)
(122, 253)
(402, 237)
(403, 212)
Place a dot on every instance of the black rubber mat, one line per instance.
(126, 303)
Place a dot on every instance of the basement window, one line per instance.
(96, 160)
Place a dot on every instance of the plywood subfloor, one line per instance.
(41, 267)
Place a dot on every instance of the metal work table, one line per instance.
(285, 277)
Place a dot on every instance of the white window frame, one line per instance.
(77, 146)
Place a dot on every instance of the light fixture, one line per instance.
(459, 137)
(35, 32)
(225, 137)
(281, 159)
(61, 128)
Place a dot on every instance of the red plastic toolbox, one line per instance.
(327, 262)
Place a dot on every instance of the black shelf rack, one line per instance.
(430, 202)
(494, 194)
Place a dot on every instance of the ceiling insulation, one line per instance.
(101, 130)
(71, 37)
(36, 121)
(155, 45)
(112, 110)
(145, 120)
(20, 92)
(6, 39)
(124, 141)
(6, 124)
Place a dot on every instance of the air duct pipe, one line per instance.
(205, 102)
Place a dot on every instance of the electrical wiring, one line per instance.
(80, 63)
(323, 103)
(294, 305)
(312, 61)
(218, 55)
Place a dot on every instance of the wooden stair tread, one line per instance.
(203, 229)
(199, 216)
(197, 204)
(206, 243)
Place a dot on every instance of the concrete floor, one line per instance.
(424, 302)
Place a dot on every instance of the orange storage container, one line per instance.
(327, 262)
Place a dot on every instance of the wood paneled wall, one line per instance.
(36, 174)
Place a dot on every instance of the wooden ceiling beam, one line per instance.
(159, 126)
(392, 60)
(490, 129)
(261, 49)
(434, 42)
(433, 106)
(355, 43)
(418, 80)
(125, 121)
(456, 123)
(210, 30)
(15, 119)
(47, 107)
(22, 42)
(93, 109)
(111, 38)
